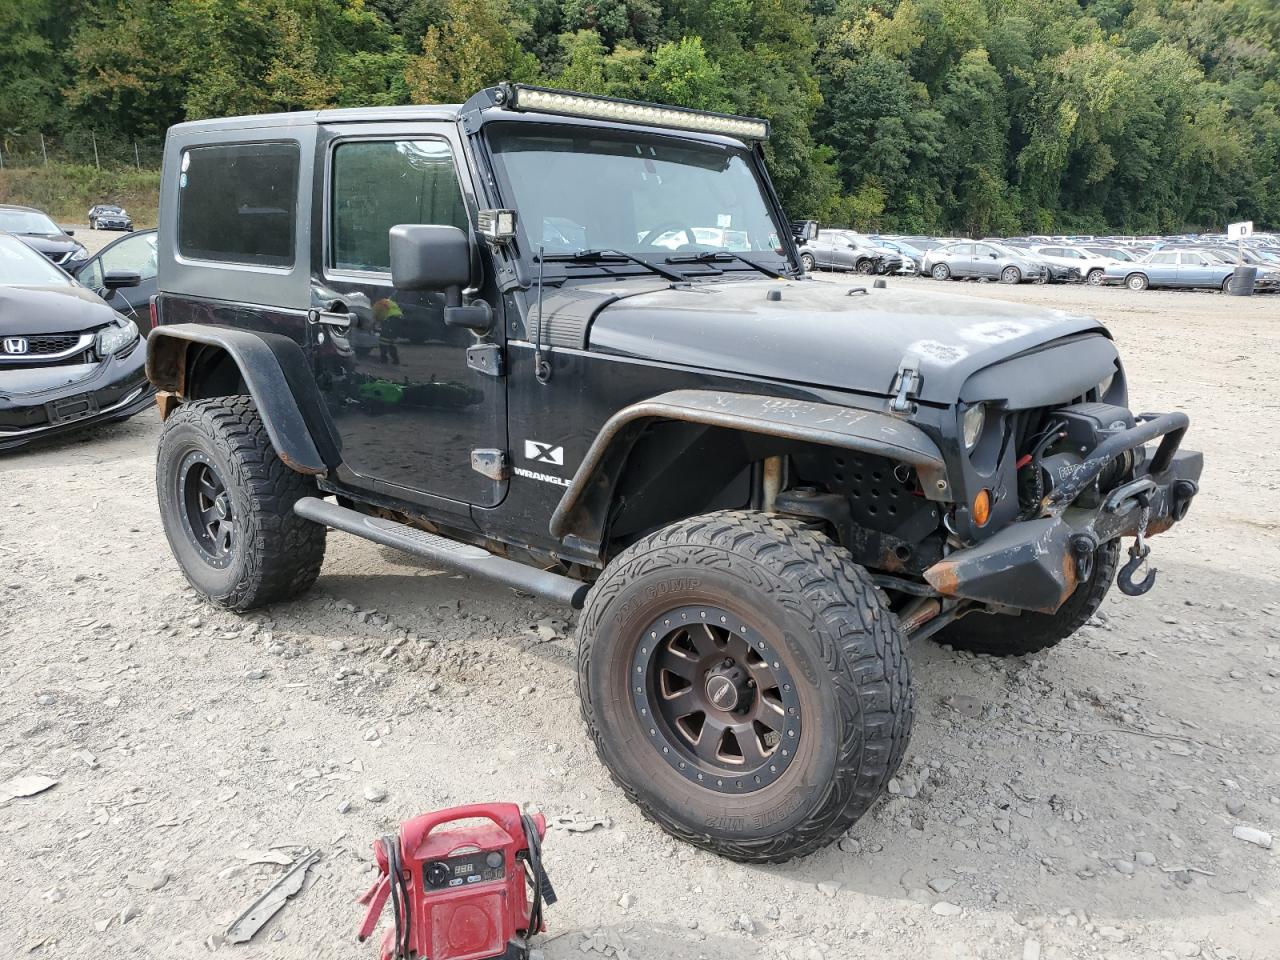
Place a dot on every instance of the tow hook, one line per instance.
(1138, 556)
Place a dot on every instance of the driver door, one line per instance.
(409, 409)
(986, 261)
(132, 253)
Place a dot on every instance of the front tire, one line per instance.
(1137, 281)
(865, 267)
(1094, 279)
(768, 638)
(940, 271)
(226, 502)
(1001, 635)
(1011, 275)
(807, 261)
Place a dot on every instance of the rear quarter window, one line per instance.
(238, 203)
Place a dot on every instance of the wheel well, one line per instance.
(872, 506)
(211, 372)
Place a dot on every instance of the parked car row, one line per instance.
(1203, 262)
(70, 328)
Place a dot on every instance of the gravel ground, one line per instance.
(1079, 803)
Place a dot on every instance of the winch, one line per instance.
(472, 892)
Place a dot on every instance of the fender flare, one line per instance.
(824, 424)
(275, 372)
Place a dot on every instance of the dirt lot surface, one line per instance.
(1079, 803)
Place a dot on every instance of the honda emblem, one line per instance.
(15, 344)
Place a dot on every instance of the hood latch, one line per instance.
(906, 387)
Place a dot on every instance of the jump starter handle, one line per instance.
(505, 815)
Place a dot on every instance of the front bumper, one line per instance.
(43, 401)
(114, 223)
(1037, 564)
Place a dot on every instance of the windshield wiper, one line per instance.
(724, 256)
(601, 256)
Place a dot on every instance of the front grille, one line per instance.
(45, 343)
(49, 349)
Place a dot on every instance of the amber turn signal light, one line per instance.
(982, 507)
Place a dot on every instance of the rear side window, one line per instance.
(238, 203)
(380, 183)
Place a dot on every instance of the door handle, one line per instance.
(332, 318)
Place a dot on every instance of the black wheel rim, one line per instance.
(717, 702)
(208, 518)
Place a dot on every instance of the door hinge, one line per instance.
(487, 358)
(491, 463)
(906, 386)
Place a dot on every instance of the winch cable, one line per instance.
(543, 893)
(399, 896)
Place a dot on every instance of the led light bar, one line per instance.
(569, 104)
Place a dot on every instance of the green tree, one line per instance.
(474, 48)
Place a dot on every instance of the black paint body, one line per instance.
(403, 408)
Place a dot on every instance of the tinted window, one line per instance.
(237, 203)
(377, 185)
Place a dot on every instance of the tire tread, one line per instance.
(860, 644)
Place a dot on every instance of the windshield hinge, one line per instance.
(906, 387)
(486, 358)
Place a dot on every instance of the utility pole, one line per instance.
(136, 162)
(95, 150)
(43, 152)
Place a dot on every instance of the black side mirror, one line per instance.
(805, 230)
(115, 279)
(69, 233)
(429, 257)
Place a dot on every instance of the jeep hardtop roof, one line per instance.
(503, 103)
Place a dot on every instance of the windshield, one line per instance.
(20, 266)
(26, 221)
(577, 189)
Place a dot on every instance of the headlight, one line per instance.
(79, 253)
(117, 338)
(972, 423)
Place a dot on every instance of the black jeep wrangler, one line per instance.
(566, 342)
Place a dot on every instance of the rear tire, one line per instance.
(1000, 635)
(820, 632)
(940, 271)
(226, 502)
(1226, 285)
(1137, 281)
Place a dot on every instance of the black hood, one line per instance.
(69, 309)
(50, 244)
(824, 334)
